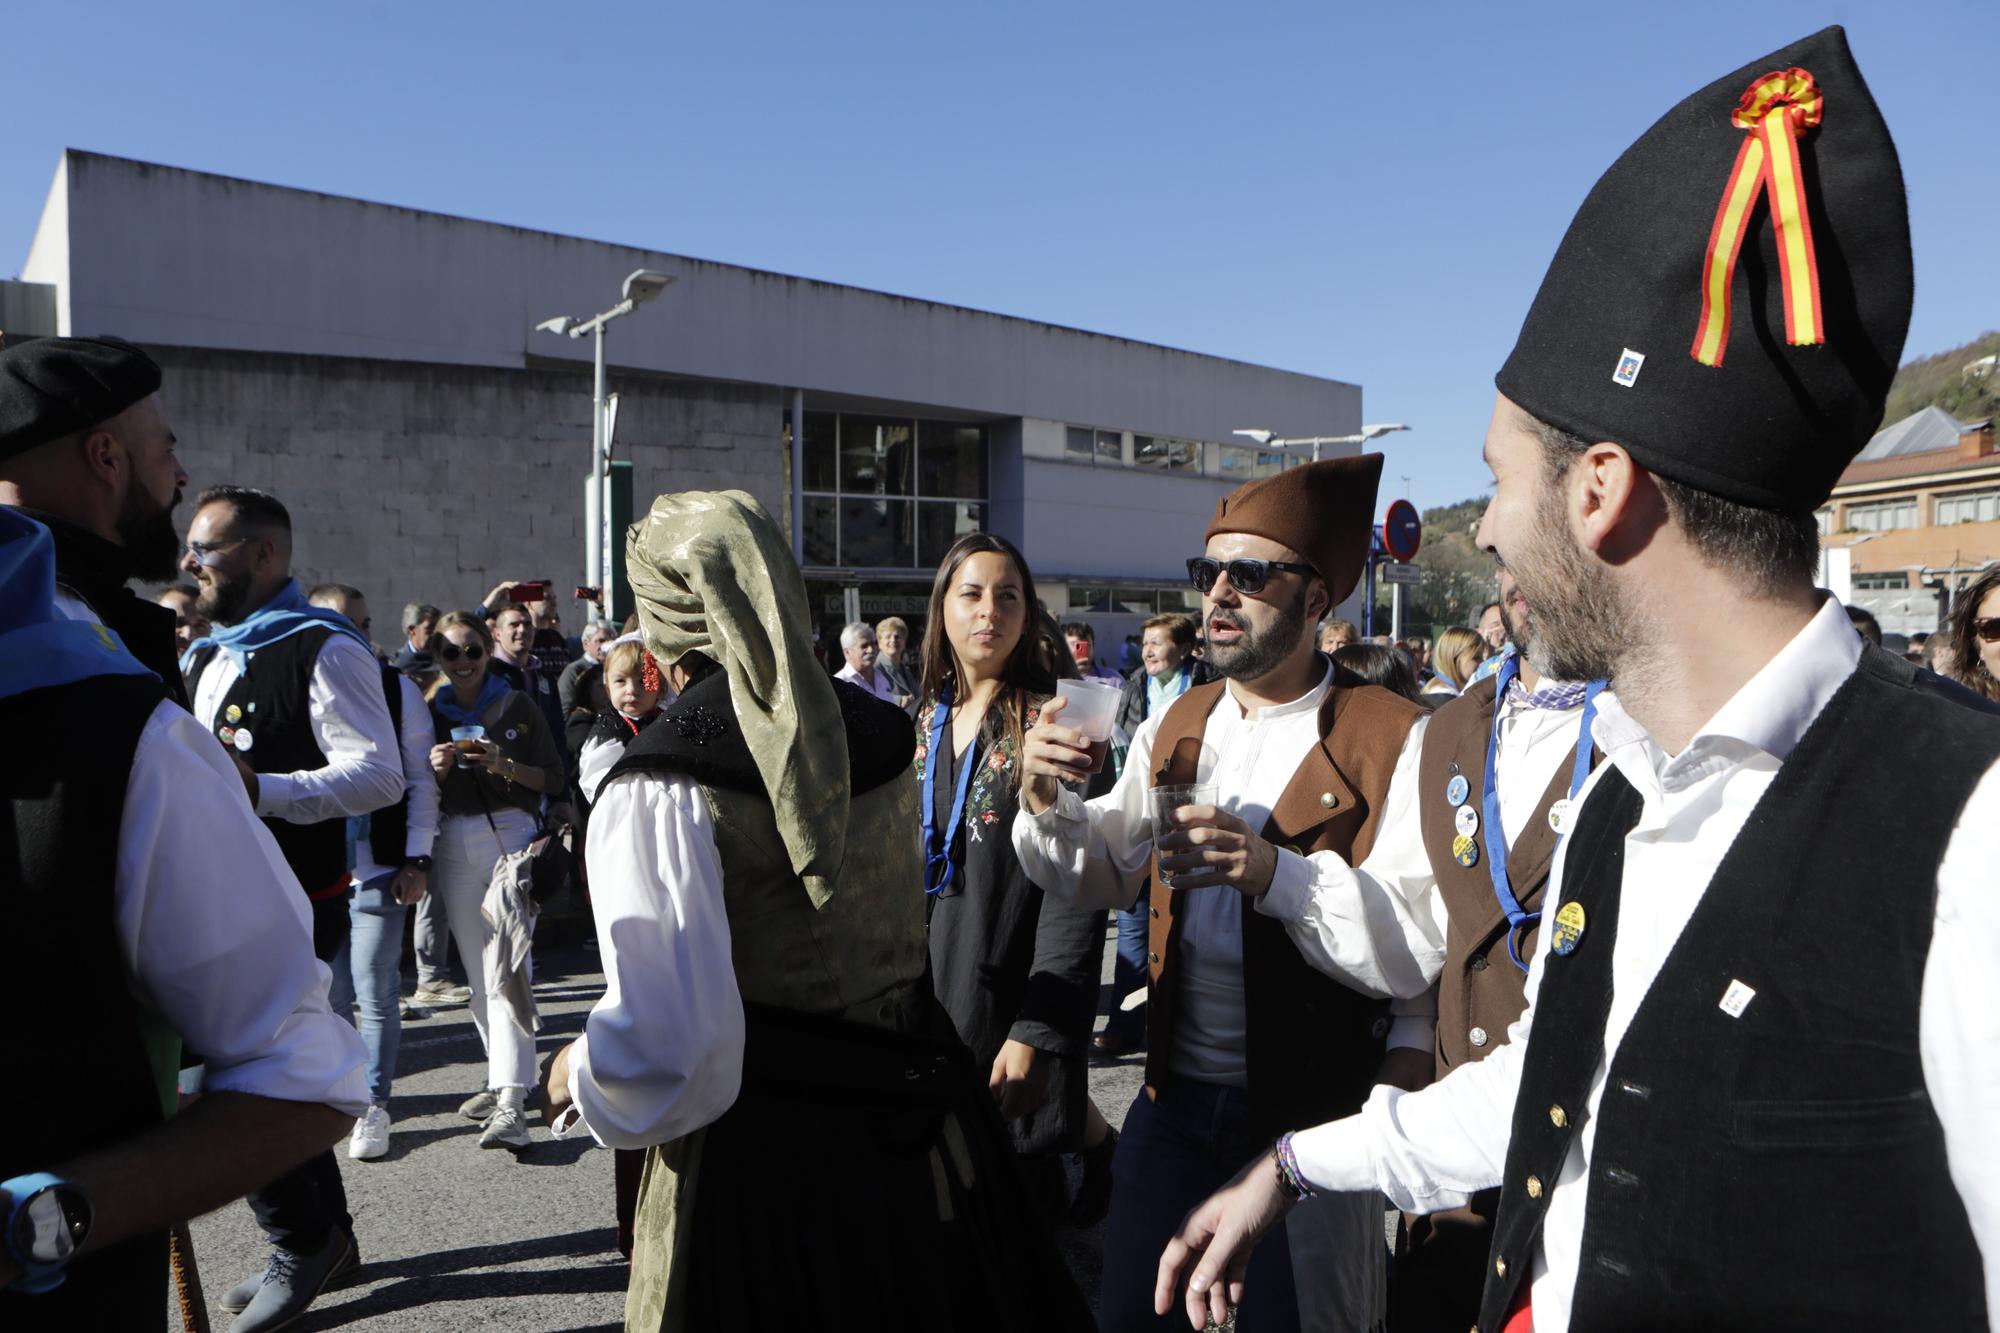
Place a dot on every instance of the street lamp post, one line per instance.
(641, 286)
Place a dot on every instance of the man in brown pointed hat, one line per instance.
(1298, 905)
(1758, 1091)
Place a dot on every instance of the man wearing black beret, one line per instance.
(1756, 1083)
(86, 450)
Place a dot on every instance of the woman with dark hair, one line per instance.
(1017, 973)
(1379, 664)
(821, 1151)
(1974, 633)
(494, 758)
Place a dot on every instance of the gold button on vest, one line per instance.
(1534, 1187)
(1500, 1268)
(1558, 1117)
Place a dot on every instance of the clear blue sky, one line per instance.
(1364, 192)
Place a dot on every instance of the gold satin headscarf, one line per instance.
(712, 573)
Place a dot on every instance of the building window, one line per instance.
(1896, 582)
(1155, 451)
(1824, 519)
(1085, 444)
(886, 492)
(1243, 463)
(1886, 516)
(877, 456)
(1968, 507)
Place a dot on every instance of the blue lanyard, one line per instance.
(1489, 801)
(938, 865)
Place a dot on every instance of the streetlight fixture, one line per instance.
(1266, 439)
(641, 286)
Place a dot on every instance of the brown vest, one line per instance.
(1481, 991)
(1313, 1044)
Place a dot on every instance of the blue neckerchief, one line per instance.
(284, 615)
(938, 865)
(39, 648)
(1489, 802)
(491, 691)
(1186, 674)
(1491, 666)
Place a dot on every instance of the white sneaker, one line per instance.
(507, 1129)
(370, 1139)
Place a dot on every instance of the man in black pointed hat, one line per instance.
(86, 450)
(1756, 1091)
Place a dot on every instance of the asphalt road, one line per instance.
(453, 1237)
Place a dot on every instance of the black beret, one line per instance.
(52, 387)
(1610, 347)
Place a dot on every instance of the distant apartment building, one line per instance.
(1917, 516)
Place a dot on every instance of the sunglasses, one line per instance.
(451, 652)
(1246, 576)
(209, 554)
(1988, 629)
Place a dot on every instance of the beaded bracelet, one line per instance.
(1290, 1178)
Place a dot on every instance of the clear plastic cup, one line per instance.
(466, 739)
(1161, 803)
(1091, 706)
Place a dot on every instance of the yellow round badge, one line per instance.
(1465, 850)
(1569, 928)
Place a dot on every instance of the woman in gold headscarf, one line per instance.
(820, 1154)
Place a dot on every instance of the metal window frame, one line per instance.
(837, 495)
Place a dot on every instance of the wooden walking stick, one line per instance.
(187, 1280)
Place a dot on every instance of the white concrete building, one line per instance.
(378, 369)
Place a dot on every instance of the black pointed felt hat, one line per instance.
(1609, 348)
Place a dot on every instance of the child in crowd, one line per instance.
(632, 683)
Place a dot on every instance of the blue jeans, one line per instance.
(1172, 1154)
(368, 976)
(1127, 975)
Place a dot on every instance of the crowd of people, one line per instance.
(852, 919)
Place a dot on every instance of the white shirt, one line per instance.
(350, 721)
(1535, 743)
(1430, 1150)
(877, 682)
(213, 930)
(416, 737)
(662, 1053)
(1373, 928)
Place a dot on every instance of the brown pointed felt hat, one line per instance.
(1325, 511)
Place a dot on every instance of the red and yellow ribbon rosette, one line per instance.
(1776, 111)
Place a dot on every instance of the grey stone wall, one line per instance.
(432, 483)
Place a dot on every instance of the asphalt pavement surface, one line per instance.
(456, 1237)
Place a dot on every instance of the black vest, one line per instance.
(72, 1021)
(272, 700)
(1781, 1168)
(389, 827)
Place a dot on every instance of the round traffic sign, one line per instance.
(1402, 530)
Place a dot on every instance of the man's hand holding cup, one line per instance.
(1201, 845)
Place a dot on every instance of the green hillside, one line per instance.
(1941, 381)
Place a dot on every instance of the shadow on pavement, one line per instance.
(446, 1275)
